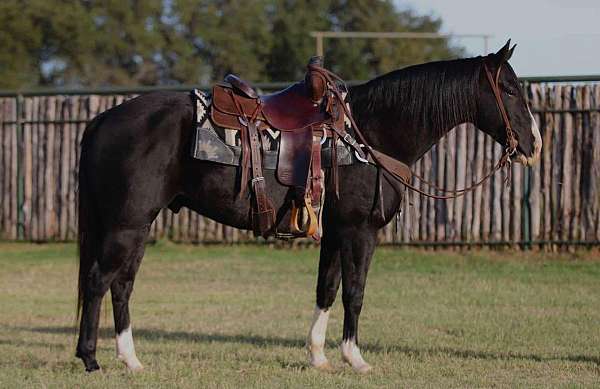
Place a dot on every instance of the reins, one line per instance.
(505, 158)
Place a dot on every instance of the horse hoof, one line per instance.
(363, 369)
(325, 367)
(136, 368)
(133, 364)
(92, 367)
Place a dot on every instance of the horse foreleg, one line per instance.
(120, 291)
(327, 287)
(357, 251)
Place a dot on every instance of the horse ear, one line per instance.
(504, 53)
(510, 52)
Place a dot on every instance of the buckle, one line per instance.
(349, 139)
(257, 179)
(361, 159)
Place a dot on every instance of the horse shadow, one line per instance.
(270, 341)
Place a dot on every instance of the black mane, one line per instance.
(433, 95)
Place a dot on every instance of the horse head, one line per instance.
(497, 74)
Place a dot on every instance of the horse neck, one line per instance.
(422, 140)
(405, 140)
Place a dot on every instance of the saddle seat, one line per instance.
(293, 108)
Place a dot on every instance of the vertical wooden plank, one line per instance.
(505, 198)
(5, 139)
(64, 169)
(587, 196)
(486, 208)
(469, 180)
(414, 199)
(451, 233)
(548, 141)
(423, 204)
(49, 176)
(576, 226)
(11, 161)
(517, 201)
(535, 195)
(42, 165)
(567, 168)
(430, 218)
(478, 196)
(3, 169)
(557, 150)
(461, 167)
(15, 160)
(27, 169)
(496, 200)
(184, 224)
(406, 228)
(159, 225)
(72, 182)
(595, 184)
(32, 177)
(440, 206)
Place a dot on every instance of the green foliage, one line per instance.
(150, 42)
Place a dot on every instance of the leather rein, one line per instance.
(393, 166)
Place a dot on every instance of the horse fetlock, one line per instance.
(352, 356)
(316, 339)
(132, 362)
(316, 353)
(126, 350)
(89, 360)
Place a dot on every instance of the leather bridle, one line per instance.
(511, 140)
(392, 166)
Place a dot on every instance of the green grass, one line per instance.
(237, 317)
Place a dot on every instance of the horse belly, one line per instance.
(213, 191)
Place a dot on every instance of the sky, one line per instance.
(553, 37)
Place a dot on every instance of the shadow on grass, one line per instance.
(262, 341)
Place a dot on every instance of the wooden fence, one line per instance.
(557, 202)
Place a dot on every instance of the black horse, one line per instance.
(135, 161)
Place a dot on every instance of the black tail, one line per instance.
(89, 226)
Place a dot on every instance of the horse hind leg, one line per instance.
(120, 290)
(120, 252)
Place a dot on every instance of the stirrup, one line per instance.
(312, 227)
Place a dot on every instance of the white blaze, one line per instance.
(126, 350)
(351, 354)
(537, 141)
(316, 338)
(537, 144)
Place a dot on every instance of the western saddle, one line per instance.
(305, 114)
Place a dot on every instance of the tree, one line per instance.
(152, 42)
(354, 58)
